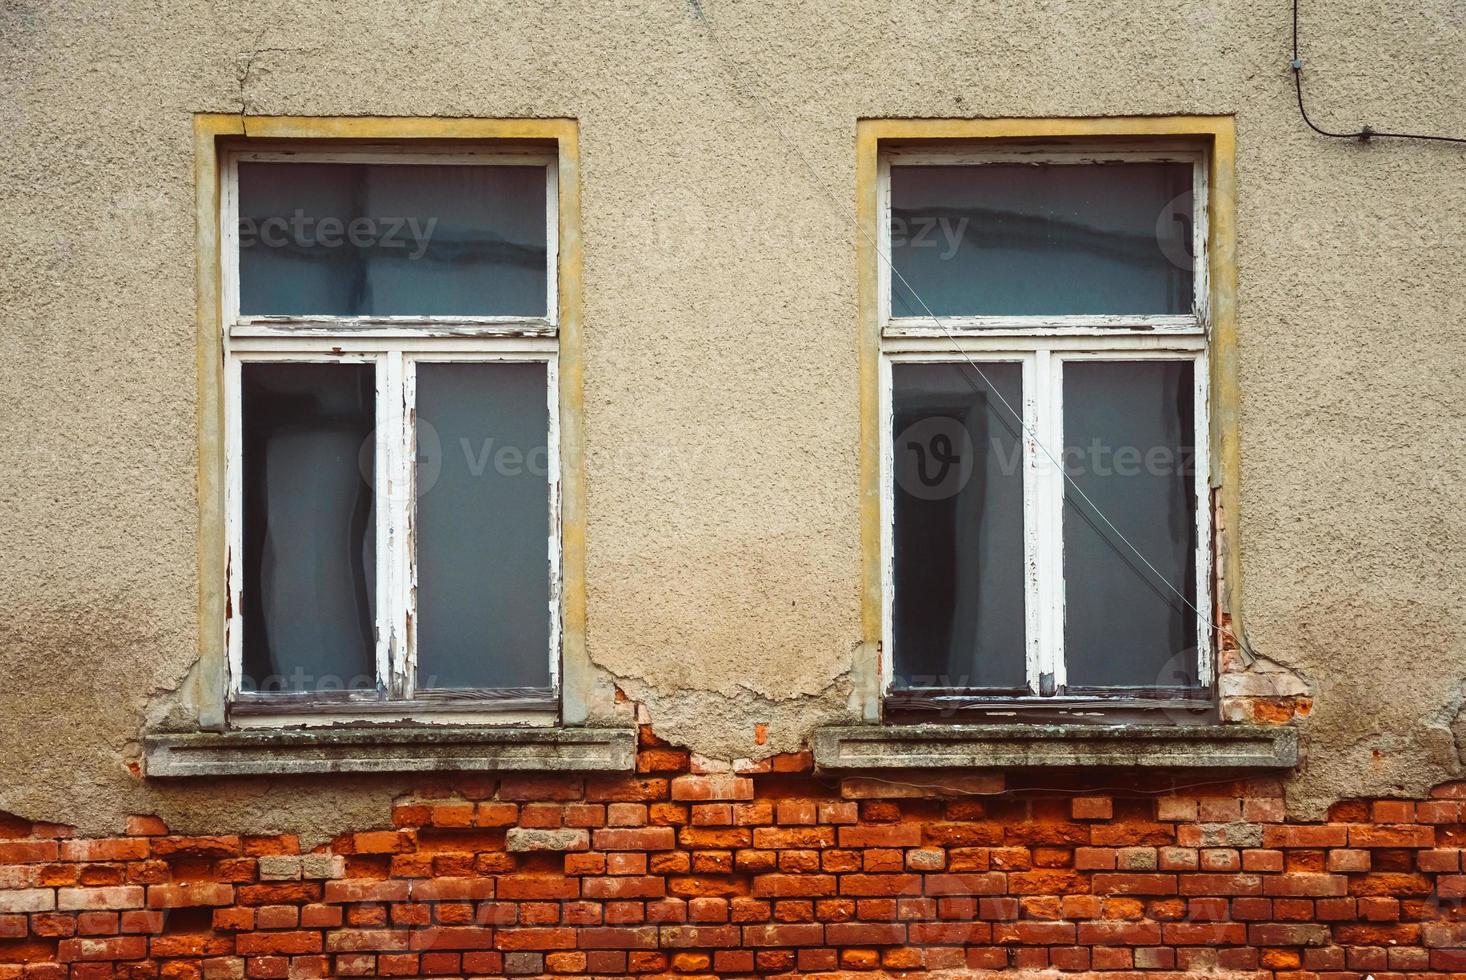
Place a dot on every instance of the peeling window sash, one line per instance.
(1043, 345)
(394, 346)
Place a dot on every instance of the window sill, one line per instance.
(1043, 746)
(390, 749)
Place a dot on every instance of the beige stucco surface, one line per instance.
(720, 342)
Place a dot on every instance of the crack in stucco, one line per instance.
(244, 69)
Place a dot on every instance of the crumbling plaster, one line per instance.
(723, 541)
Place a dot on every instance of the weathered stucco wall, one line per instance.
(720, 342)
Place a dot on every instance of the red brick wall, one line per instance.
(768, 872)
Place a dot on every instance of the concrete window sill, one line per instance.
(1073, 746)
(265, 752)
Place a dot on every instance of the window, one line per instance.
(391, 360)
(1045, 526)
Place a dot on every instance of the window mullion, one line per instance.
(1033, 519)
(1049, 430)
(405, 560)
(1207, 612)
(393, 498)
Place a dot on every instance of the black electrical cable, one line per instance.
(1366, 133)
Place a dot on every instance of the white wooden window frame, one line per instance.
(394, 346)
(1049, 152)
(1042, 345)
(286, 325)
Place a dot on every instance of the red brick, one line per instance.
(1092, 808)
(259, 943)
(714, 838)
(749, 910)
(817, 960)
(796, 812)
(634, 839)
(380, 842)
(626, 814)
(100, 949)
(792, 934)
(1032, 933)
(1305, 836)
(493, 814)
(535, 938)
(992, 883)
(1205, 933)
(138, 826)
(541, 786)
(717, 786)
(839, 813)
(139, 921)
(398, 965)
(705, 936)
(1135, 884)
(1438, 811)
(1111, 933)
(223, 845)
(1306, 885)
(1270, 810)
(1415, 835)
(453, 889)
(542, 887)
(115, 897)
(733, 961)
(1220, 884)
(1094, 858)
(320, 916)
(629, 886)
(712, 815)
(277, 917)
(662, 760)
(1155, 958)
(105, 849)
(865, 933)
(1287, 934)
(452, 814)
(618, 937)
(189, 894)
(802, 838)
(987, 958)
(634, 862)
(627, 789)
(949, 933)
(1393, 811)
(28, 852)
(98, 924)
(365, 890)
(757, 813)
(890, 835)
(453, 937)
(794, 886)
(868, 884)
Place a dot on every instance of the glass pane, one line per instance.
(309, 527)
(1031, 239)
(958, 619)
(483, 525)
(387, 239)
(1129, 444)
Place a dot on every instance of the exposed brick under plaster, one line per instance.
(678, 870)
